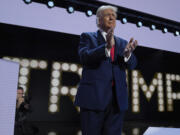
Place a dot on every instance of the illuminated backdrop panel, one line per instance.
(58, 19)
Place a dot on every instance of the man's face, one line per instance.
(20, 93)
(107, 20)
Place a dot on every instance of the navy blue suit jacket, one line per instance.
(95, 88)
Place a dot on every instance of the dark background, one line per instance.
(23, 42)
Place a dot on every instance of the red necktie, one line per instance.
(112, 58)
(112, 53)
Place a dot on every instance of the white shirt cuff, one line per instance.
(107, 52)
(127, 58)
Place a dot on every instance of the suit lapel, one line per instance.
(118, 47)
(117, 43)
(100, 38)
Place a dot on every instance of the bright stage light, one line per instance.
(89, 13)
(54, 99)
(153, 27)
(139, 24)
(124, 20)
(50, 4)
(52, 133)
(54, 90)
(165, 30)
(56, 66)
(27, 1)
(177, 33)
(70, 9)
(64, 90)
(53, 108)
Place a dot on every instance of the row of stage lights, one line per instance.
(70, 9)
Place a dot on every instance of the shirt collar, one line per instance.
(103, 33)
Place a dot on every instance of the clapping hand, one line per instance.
(130, 47)
(110, 38)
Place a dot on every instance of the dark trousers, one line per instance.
(107, 122)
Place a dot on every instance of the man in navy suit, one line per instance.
(102, 94)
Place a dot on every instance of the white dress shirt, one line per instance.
(108, 51)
